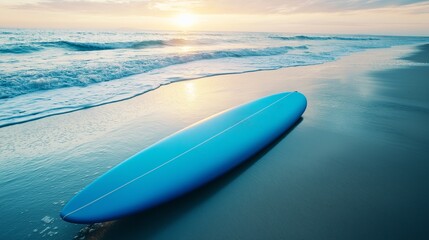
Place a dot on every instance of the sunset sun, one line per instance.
(185, 20)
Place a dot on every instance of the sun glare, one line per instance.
(185, 20)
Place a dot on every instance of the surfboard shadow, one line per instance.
(146, 224)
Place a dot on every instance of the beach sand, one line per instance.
(355, 167)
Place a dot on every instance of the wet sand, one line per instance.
(355, 166)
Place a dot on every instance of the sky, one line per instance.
(390, 17)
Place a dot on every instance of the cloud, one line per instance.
(87, 6)
(322, 16)
(306, 6)
(152, 7)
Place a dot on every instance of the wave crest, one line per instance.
(24, 82)
(18, 49)
(89, 46)
(93, 46)
(321, 38)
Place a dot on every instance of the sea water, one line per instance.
(45, 72)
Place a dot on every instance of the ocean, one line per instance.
(44, 73)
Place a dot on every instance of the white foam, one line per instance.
(44, 230)
(47, 219)
(52, 233)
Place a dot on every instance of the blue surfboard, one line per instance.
(185, 160)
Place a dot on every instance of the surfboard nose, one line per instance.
(78, 210)
(67, 216)
(302, 99)
(72, 215)
(81, 216)
(64, 215)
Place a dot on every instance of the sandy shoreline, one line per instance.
(355, 167)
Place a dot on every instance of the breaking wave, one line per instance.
(321, 38)
(22, 82)
(89, 46)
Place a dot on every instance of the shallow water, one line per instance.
(50, 72)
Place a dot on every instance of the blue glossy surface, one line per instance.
(186, 159)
